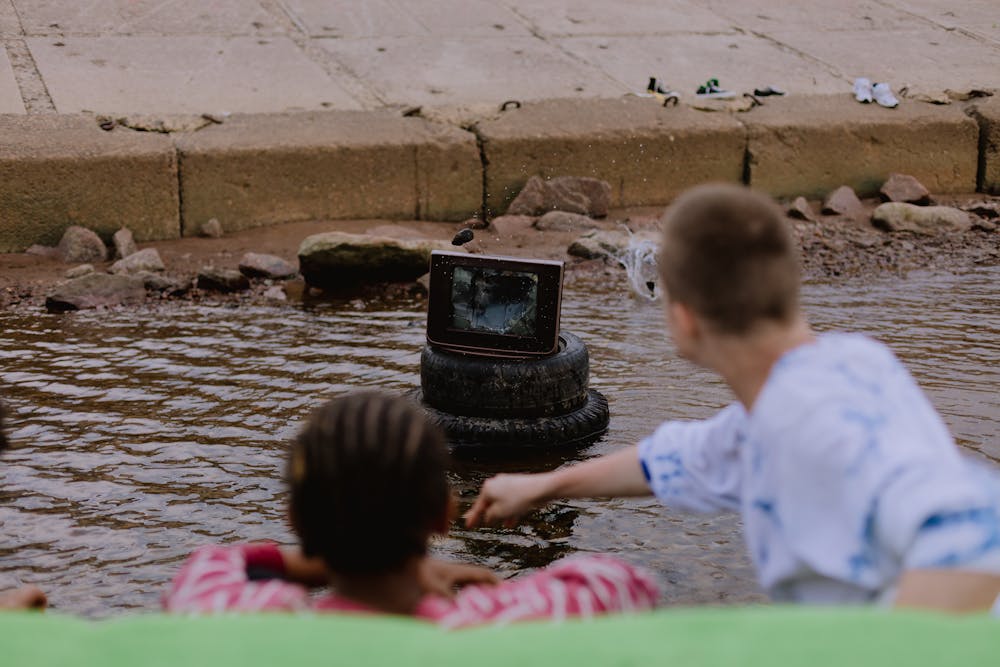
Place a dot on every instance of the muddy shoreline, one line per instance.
(832, 247)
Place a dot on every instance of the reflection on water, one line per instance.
(143, 434)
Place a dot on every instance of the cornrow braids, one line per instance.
(368, 482)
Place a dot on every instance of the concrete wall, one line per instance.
(647, 153)
(57, 171)
(261, 169)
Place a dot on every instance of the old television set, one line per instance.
(494, 306)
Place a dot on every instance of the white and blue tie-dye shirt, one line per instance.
(843, 473)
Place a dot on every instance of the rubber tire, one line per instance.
(582, 425)
(474, 386)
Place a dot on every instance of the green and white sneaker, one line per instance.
(711, 90)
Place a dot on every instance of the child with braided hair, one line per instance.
(368, 489)
(26, 597)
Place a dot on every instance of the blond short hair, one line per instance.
(729, 255)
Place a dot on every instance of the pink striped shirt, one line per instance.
(215, 579)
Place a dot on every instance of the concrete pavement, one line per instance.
(191, 56)
(323, 96)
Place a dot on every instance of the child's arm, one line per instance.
(689, 465)
(948, 590)
(27, 597)
(217, 579)
(442, 577)
(581, 586)
(505, 498)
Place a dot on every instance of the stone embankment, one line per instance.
(251, 170)
(842, 235)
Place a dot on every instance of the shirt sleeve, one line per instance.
(215, 579)
(581, 586)
(695, 466)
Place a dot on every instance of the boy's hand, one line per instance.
(302, 570)
(441, 577)
(506, 498)
(27, 597)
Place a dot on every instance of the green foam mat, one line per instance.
(752, 636)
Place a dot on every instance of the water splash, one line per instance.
(639, 260)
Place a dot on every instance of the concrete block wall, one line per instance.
(261, 169)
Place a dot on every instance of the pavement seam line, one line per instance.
(340, 74)
(35, 94)
(956, 28)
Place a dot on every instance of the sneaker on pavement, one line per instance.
(712, 90)
(883, 95)
(767, 92)
(863, 90)
(656, 87)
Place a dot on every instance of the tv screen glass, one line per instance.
(494, 301)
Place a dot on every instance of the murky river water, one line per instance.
(143, 434)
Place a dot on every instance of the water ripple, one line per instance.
(143, 434)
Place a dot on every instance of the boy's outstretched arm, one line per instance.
(505, 498)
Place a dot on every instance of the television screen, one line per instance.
(494, 301)
(494, 306)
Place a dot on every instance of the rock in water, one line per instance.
(843, 201)
(147, 259)
(926, 220)
(463, 237)
(157, 282)
(124, 243)
(903, 188)
(573, 194)
(212, 279)
(340, 260)
(212, 229)
(93, 291)
(560, 221)
(254, 265)
(79, 245)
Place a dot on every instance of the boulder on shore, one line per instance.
(79, 271)
(340, 260)
(561, 221)
(573, 194)
(80, 245)
(925, 220)
(800, 209)
(147, 259)
(95, 290)
(124, 243)
(843, 201)
(608, 244)
(212, 279)
(510, 225)
(212, 229)
(904, 188)
(256, 265)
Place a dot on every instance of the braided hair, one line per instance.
(367, 477)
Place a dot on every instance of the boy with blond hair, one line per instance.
(850, 487)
